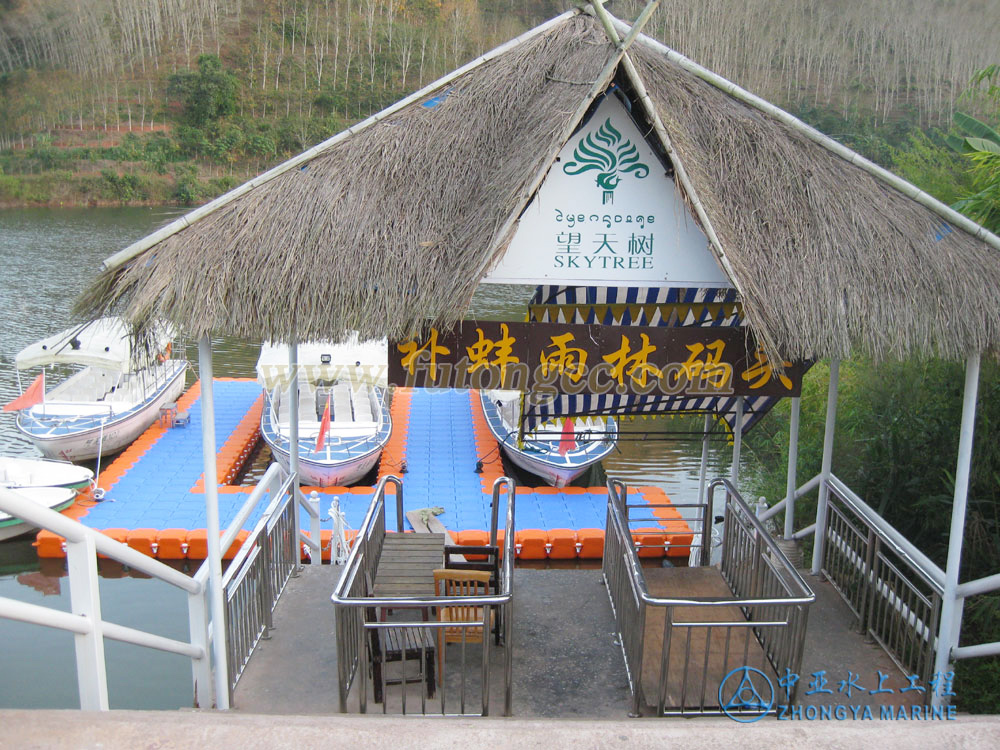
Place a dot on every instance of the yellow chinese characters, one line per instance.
(485, 352)
(636, 366)
(564, 359)
(411, 351)
(705, 363)
(761, 370)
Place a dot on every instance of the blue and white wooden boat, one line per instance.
(115, 393)
(351, 376)
(551, 451)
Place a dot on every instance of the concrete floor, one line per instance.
(567, 661)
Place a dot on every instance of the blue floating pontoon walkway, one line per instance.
(154, 491)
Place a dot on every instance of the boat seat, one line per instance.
(307, 403)
(342, 410)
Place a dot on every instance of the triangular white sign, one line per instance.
(608, 215)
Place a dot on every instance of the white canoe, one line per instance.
(19, 472)
(55, 498)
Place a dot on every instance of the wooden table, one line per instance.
(406, 568)
(407, 564)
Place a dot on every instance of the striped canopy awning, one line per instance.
(641, 306)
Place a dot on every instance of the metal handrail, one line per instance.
(342, 597)
(82, 546)
(777, 621)
(899, 544)
(805, 596)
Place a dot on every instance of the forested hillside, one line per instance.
(176, 100)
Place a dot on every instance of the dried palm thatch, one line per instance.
(390, 226)
(385, 228)
(828, 258)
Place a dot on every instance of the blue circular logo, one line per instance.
(746, 695)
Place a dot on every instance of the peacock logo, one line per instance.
(611, 155)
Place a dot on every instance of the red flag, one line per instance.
(34, 395)
(567, 441)
(324, 426)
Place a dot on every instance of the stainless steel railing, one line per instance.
(892, 589)
(767, 613)
(356, 619)
(257, 575)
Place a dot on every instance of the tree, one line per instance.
(981, 144)
(208, 94)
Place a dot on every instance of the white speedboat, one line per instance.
(344, 422)
(558, 451)
(114, 394)
(56, 498)
(18, 473)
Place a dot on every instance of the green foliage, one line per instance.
(924, 161)
(980, 143)
(897, 446)
(208, 94)
(124, 188)
(876, 142)
(188, 190)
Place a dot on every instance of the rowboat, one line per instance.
(343, 417)
(55, 498)
(114, 392)
(17, 473)
(558, 451)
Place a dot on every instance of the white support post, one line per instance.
(293, 446)
(315, 530)
(216, 599)
(85, 601)
(793, 461)
(824, 492)
(734, 473)
(951, 603)
(201, 669)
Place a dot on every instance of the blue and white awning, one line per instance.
(639, 306)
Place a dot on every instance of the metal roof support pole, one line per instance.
(734, 471)
(705, 553)
(703, 472)
(293, 444)
(212, 524)
(793, 461)
(951, 602)
(826, 469)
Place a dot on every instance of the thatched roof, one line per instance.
(395, 221)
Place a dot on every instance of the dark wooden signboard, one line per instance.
(558, 358)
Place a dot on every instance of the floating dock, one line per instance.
(154, 491)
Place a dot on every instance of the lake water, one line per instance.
(47, 257)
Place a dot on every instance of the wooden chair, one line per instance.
(453, 583)
(401, 644)
(458, 557)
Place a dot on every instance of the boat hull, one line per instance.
(344, 461)
(553, 475)
(318, 474)
(54, 498)
(18, 473)
(116, 433)
(543, 457)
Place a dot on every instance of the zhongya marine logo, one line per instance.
(746, 695)
(612, 156)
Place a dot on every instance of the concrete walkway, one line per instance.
(172, 730)
(567, 661)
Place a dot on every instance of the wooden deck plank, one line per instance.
(407, 564)
(704, 649)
